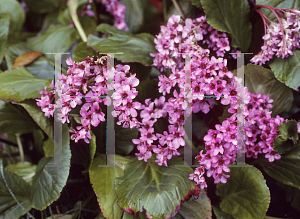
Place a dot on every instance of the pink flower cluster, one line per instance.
(118, 11)
(91, 77)
(280, 37)
(260, 131)
(179, 37)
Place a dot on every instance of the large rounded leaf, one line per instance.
(57, 38)
(19, 84)
(232, 17)
(46, 124)
(51, 176)
(261, 80)
(4, 28)
(13, 207)
(15, 120)
(199, 208)
(23, 169)
(41, 67)
(287, 70)
(245, 195)
(286, 169)
(16, 12)
(42, 6)
(158, 190)
(135, 48)
(102, 179)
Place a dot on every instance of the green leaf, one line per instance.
(221, 214)
(134, 17)
(9, 207)
(46, 124)
(48, 147)
(23, 169)
(261, 80)
(292, 195)
(135, 48)
(81, 51)
(84, 154)
(15, 120)
(57, 38)
(42, 6)
(17, 14)
(287, 70)
(158, 190)
(293, 4)
(88, 24)
(51, 175)
(42, 67)
(4, 29)
(245, 195)
(232, 17)
(123, 139)
(197, 3)
(19, 84)
(102, 179)
(139, 215)
(286, 169)
(194, 209)
(288, 137)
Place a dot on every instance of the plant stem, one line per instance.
(20, 146)
(178, 9)
(73, 12)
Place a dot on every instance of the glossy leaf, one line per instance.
(123, 139)
(197, 3)
(17, 14)
(26, 59)
(42, 6)
(288, 137)
(19, 84)
(81, 51)
(46, 124)
(23, 169)
(12, 183)
(286, 169)
(245, 195)
(15, 120)
(51, 174)
(135, 16)
(261, 80)
(135, 48)
(292, 195)
(57, 38)
(42, 67)
(103, 179)
(48, 147)
(232, 17)
(4, 29)
(199, 208)
(287, 70)
(158, 190)
(221, 214)
(277, 4)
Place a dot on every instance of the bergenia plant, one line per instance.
(147, 67)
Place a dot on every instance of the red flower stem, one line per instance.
(278, 18)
